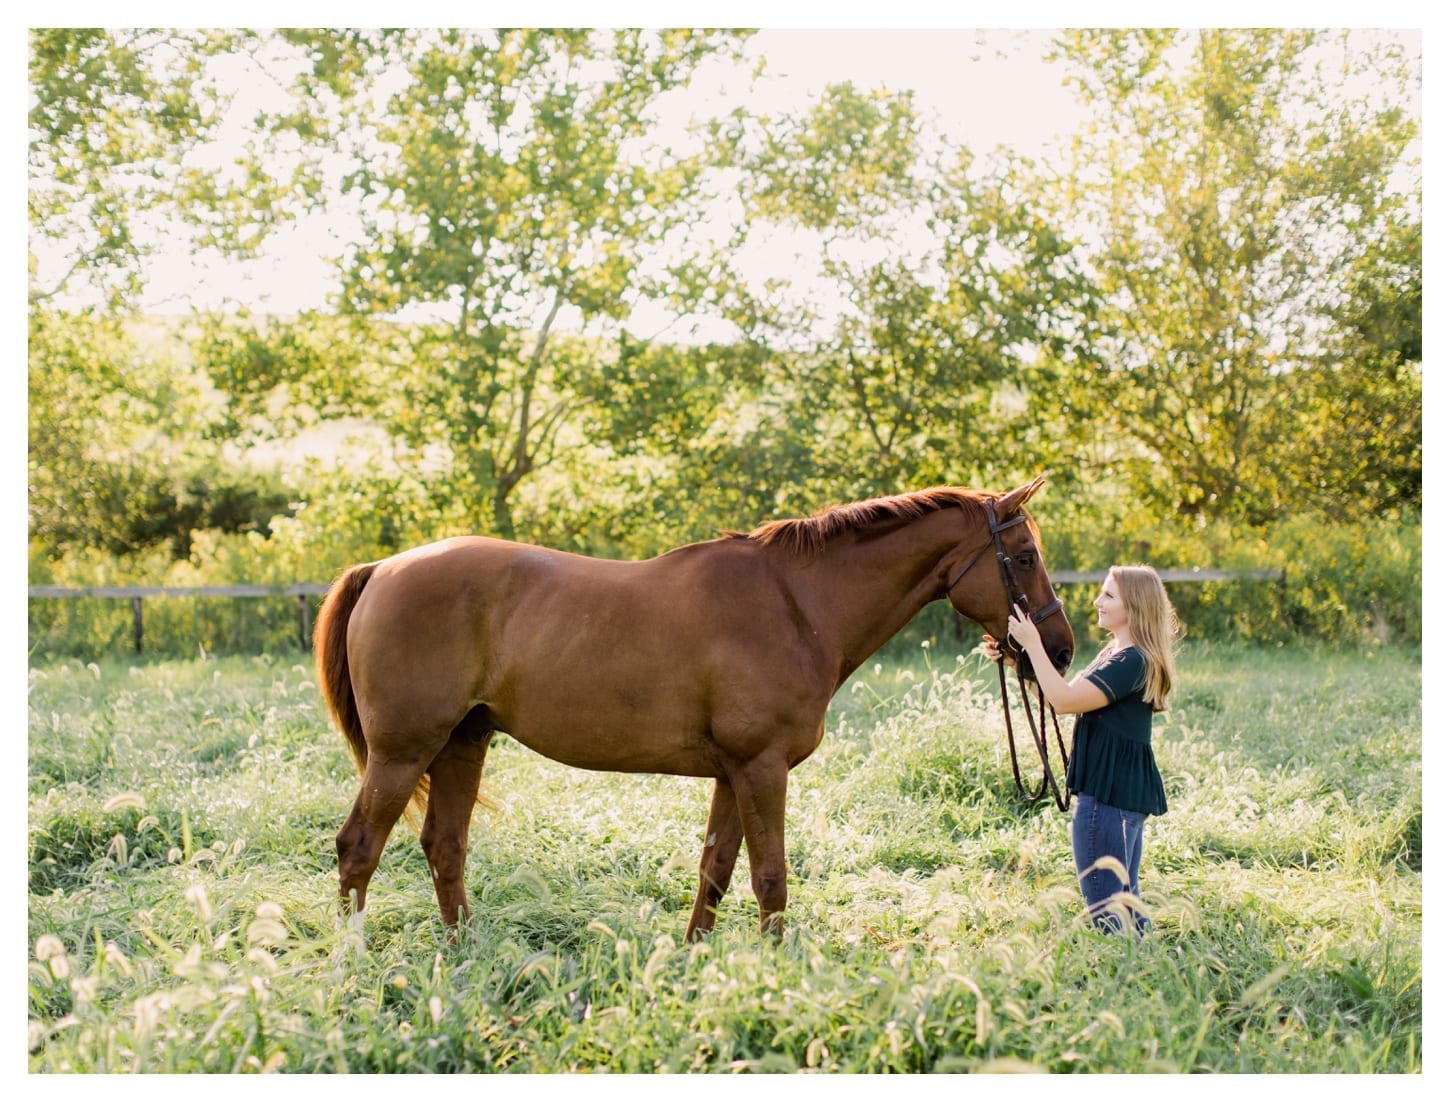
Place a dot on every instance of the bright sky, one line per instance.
(985, 87)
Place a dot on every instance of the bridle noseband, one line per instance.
(1017, 596)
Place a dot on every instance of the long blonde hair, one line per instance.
(1153, 624)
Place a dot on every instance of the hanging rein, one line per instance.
(1018, 597)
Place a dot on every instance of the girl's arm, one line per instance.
(1066, 697)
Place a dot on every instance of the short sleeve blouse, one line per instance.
(1112, 747)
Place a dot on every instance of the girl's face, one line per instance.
(1112, 614)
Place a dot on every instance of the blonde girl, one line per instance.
(1111, 769)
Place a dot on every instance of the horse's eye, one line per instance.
(1027, 560)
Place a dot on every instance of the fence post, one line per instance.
(304, 622)
(136, 621)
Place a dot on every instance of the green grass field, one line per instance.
(182, 890)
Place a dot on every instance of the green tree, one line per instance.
(118, 452)
(79, 389)
(117, 118)
(938, 355)
(682, 443)
(949, 284)
(1360, 406)
(511, 184)
(282, 376)
(1231, 178)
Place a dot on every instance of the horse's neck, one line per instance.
(867, 588)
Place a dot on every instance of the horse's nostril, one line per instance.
(1062, 659)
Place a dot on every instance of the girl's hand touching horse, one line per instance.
(1024, 632)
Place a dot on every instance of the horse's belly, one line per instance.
(578, 742)
(620, 724)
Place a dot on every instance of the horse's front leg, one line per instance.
(760, 795)
(717, 861)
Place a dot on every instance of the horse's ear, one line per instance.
(1009, 503)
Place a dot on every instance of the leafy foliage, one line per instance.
(279, 377)
(117, 120)
(511, 178)
(1233, 194)
(1208, 333)
(116, 458)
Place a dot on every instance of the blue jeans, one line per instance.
(1100, 830)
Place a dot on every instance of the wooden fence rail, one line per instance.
(1062, 577)
(303, 590)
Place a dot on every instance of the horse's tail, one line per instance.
(329, 644)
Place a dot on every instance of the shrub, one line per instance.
(1342, 583)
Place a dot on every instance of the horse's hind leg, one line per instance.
(387, 786)
(453, 780)
(723, 833)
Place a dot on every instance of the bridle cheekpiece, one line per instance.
(1017, 596)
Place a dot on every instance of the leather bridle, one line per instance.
(1017, 596)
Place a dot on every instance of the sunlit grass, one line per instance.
(182, 888)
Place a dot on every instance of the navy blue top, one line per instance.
(1112, 747)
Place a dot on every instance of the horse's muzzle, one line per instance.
(1061, 659)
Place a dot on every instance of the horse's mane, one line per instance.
(808, 535)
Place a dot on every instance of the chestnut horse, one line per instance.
(717, 659)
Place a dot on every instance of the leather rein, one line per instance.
(1018, 597)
